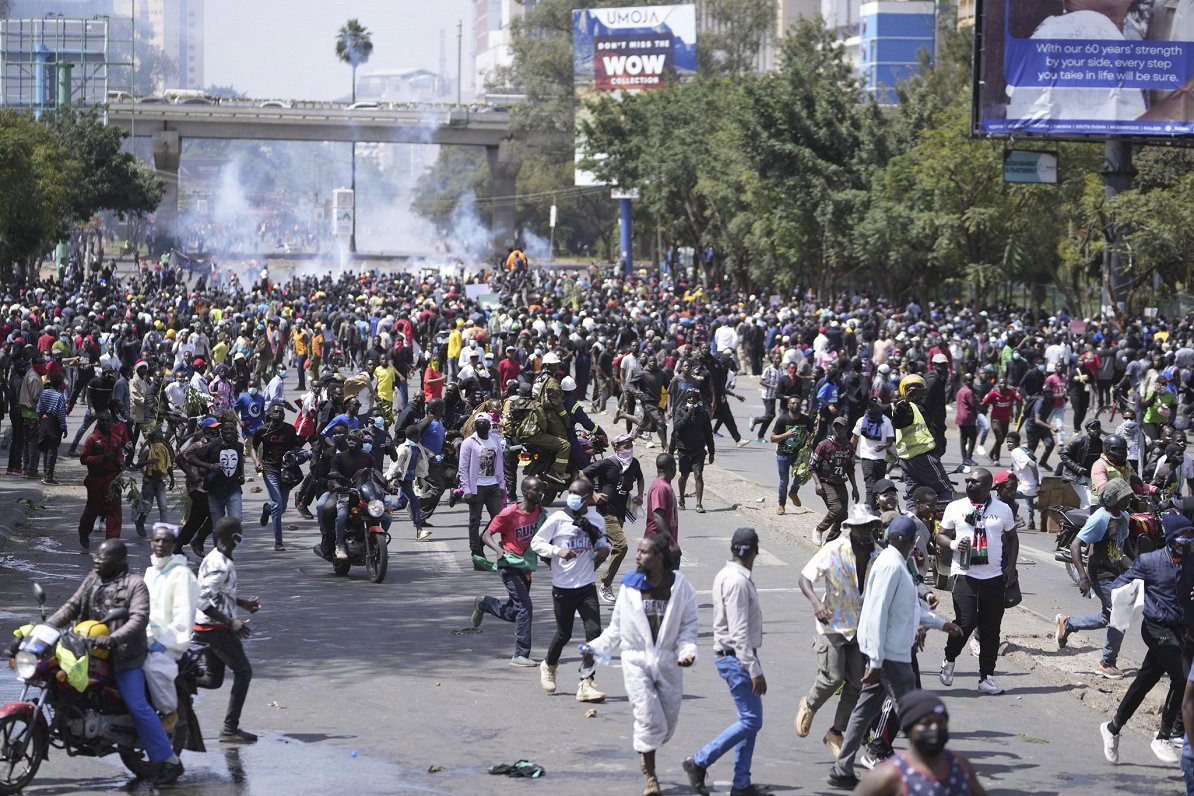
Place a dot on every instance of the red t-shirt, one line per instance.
(661, 497)
(514, 528)
(508, 370)
(1001, 402)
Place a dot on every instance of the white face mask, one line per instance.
(160, 561)
(574, 501)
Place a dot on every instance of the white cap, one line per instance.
(940, 359)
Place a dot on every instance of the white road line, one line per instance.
(767, 559)
(1043, 556)
(440, 556)
(781, 589)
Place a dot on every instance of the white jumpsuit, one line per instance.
(654, 680)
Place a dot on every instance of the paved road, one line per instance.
(367, 687)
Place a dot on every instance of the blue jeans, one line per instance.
(1115, 638)
(228, 506)
(131, 684)
(277, 502)
(403, 392)
(739, 736)
(1188, 770)
(784, 463)
(407, 490)
(516, 609)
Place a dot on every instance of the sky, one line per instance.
(285, 49)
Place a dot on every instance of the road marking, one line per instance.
(1043, 556)
(439, 556)
(765, 558)
(781, 589)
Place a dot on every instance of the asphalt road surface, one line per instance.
(371, 688)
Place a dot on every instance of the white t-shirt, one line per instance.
(488, 464)
(1026, 470)
(867, 447)
(984, 527)
(725, 337)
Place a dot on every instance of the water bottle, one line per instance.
(964, 556)
(601, 657)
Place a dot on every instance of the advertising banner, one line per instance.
(1055, 70)
(632, 48)
(1029, 166)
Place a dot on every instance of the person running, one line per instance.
(737, 636)
(613, 478)
(509, 535)
(793, 430)
(574, 539)
(654, 624)
(831, 465)
(692, 437)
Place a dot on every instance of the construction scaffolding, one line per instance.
(53, 60)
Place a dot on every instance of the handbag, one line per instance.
(1011, 594)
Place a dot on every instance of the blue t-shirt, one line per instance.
(1187, 752)
(250, 408)
(352, 423)
(1096, 527)
(433, 437)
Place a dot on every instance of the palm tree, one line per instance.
(354, 45)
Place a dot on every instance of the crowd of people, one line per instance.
(410, 376)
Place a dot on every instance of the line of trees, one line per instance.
(58, 172)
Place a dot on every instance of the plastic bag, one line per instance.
(160, 673)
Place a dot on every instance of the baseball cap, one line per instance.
(902, 528)
(840, 421)
(1002, 477)
(209, 422)
(744, 537)
(884, 485)
(940, 359)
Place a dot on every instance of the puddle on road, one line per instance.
(45, 544)
(21, 565)
(275, 764)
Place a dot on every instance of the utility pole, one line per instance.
(459, 59)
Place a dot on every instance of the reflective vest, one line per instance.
(915, 439)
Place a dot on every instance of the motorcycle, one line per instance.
(366, 541)
(538, 462)
(77, 708)
(1145, 533)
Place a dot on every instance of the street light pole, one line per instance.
(459, 58)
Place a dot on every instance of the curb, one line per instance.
(15, 497)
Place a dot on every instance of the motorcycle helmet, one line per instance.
(1115, 448)
(908, 381)
(1094, 424)
(93, 629)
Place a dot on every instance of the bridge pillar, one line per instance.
(167, 154)
(504, 165)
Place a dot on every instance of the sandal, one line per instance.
(506, 768)
(525, 768)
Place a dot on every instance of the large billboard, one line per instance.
(1121, 68)
(632, 48)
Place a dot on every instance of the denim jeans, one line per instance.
(784, 463)
(277, 502)
(1188, 771)
(228, 506)
(1115, 637)
(410, 500)
(739, 736)
(153, 490)
(516, 609)
(131, 684)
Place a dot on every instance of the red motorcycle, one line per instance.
(1145, 533)
(70, 702)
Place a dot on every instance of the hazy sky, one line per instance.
(286, 48)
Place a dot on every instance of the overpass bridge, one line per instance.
(169, 124)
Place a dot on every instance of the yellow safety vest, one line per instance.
(915, 439)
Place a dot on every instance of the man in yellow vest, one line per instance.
(915, 443)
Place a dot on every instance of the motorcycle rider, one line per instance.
(1079, 456)
(915, 443)
(110, 585)
(552, 438)
(345, 465)
(1112, 464)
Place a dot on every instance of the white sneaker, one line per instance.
(606, 594)
(1164, 750)
(946, 676)
(987, 686)
(1110, 743)
(341, 552)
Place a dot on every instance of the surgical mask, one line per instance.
(367, 447)
(252, 391)
(574, 501)
(160, 561)
(380, 422)
(1041, 368)
(930, 741)
(1015, 355)
(281, 374)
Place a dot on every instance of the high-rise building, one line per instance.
(492, 38)
(892, 36)
(176, 27)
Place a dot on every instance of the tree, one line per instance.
(733, 33)
(108, 178)
(226, 92)
(354, 45)
(39, 176)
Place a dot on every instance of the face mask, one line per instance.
(574, 501)
(625, 456)
(1015, 355)
(483, 431)
(380, 422)
(1041, 368)
(281, 374)
(160, 561)
(367, 447)
(929, 741)
(253, 391)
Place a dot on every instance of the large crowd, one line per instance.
(447, 393)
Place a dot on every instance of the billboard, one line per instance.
(632, 48)
(1114, 69)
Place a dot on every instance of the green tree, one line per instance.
(733, 34)
(39, 176)
(354, 45)
(108, 178)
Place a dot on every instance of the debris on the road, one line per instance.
(434, 769)
(276, 705)
(256, 489)
(292, 527)
(591, 713)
